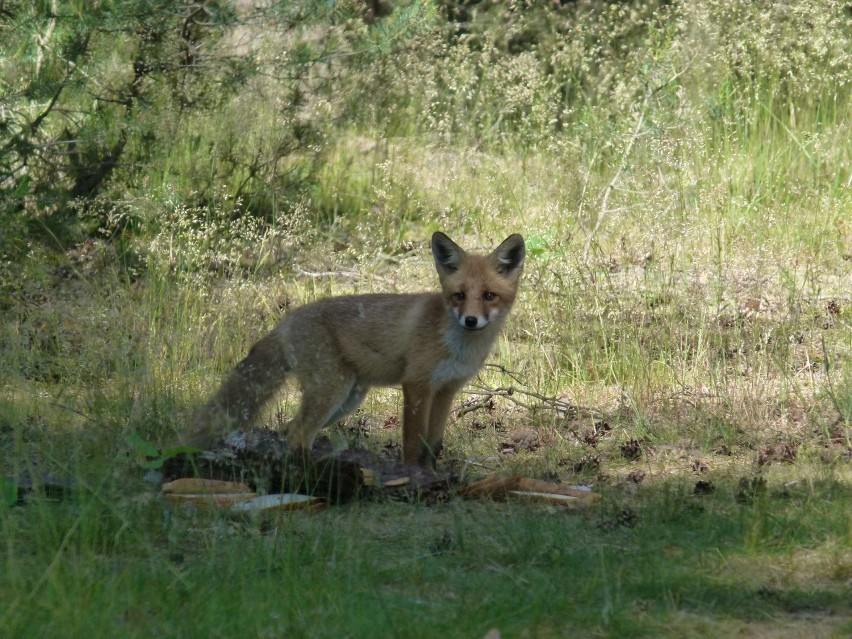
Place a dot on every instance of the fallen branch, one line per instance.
(562, 408)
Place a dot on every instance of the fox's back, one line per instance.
(384, 338)
(373, 318)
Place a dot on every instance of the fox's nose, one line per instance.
(471, 321)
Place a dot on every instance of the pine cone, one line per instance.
(631, 449)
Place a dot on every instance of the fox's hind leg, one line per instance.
(325, 400)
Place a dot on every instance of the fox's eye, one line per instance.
(458, 296)
(489, 296)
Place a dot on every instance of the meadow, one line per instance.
(682, 343)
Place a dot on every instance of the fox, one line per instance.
(337, 348)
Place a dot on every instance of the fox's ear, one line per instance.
(448, 255)
(508, 258)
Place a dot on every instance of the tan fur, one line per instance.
(337, 348)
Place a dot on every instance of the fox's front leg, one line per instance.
(438, 413)
(417, 400)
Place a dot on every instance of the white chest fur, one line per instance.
(468, 350)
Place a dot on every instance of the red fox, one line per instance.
(429, 343)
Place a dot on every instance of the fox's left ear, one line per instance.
(448, 255)
(508, 258)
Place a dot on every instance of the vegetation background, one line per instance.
(174, 175)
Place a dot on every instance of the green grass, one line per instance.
(699, 385)
(105, 563)
(686, 291)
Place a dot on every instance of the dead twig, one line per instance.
(469, 408)
(518, 396)
(504, 371)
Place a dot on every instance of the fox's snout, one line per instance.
(473, 322)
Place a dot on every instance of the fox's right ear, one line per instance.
(448, 255)
(508, 258)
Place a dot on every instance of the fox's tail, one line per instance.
(241, 396)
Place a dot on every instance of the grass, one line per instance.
(103, 564)
(705, 388)
(682, 345)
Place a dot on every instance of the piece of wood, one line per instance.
(537, 486)
(550, 498)
(280, 502)
(216, 500)
(368, 477)
(196, 485)
(494, 487)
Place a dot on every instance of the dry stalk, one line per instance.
(613, 183)
(615, 178)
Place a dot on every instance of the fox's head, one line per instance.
(478, 289)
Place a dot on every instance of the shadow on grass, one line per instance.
(114, 558)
